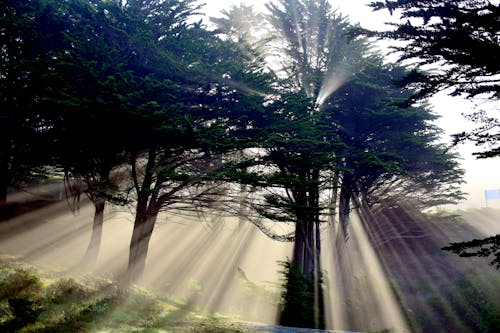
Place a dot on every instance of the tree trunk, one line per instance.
(332, 209)
(345, 203)
(3, 191)
(319, 309)
(304, 297)
(319, 303)
(143, 229)
(145, 219)
(300, 256)
(242, 210)
(307, 213)
(4, 158)
(4, 179)
(90, 258)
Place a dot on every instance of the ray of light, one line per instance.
(221, 269)
(331, 83)
(358, 294)
(409, 246)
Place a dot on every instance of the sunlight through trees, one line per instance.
(288, 121)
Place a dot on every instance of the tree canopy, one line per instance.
(141, 89)
(454, 46)
(460, 40)
(460, 37)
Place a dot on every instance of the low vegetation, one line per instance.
(33, 301)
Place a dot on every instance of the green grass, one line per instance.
(33, 301)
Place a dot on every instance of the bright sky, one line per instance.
(481, 174)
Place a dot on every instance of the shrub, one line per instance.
(19, 283)
(66, 290)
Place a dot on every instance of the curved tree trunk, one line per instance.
(90, 258)
(145, 218)
(143, 229)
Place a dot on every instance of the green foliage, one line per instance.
(458, 35)
(20, 298)
(456, 38)
(31, 304)
(134, 82)
(16, 282)
(26, 41)
(298, 308)
(66, 290)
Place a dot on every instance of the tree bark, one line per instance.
(319, 307)
(139, 244)
(300, 248)
(307, 213)
(303, 252)
(4, 179)
(3, 191)
(306, 257)
(145, 219)
(333, 199)
(345, 203)
(90, 258)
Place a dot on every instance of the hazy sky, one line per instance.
(481, 174)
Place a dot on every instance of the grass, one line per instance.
(34, 301)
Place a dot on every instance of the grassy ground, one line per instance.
(34, 301)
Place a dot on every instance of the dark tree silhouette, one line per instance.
(462, 40)
(485, 247)
(462, 37)
(27, 37)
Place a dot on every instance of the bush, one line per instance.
(19, 283)
(66, 290)
(20, 298)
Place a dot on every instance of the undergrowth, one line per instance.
(31, 302)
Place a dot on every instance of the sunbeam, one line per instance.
(390, 267)
(330, 84)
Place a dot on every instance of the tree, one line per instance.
(208, 89)
(389, 141)
(122, 73)
(127, 83)
(459, 36)
(358, 103)
(462, 38)
(342, 125)
(458, 42)
(26, 41)
(87, 102)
